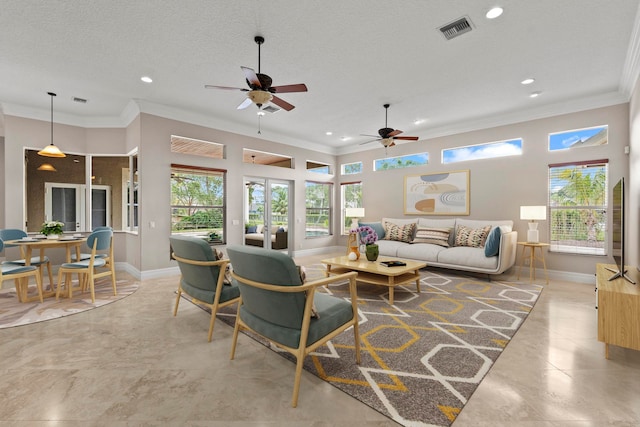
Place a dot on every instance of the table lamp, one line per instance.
(354, 214)
(531, 214)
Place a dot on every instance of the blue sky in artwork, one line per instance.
(483, 151)
(564, 140)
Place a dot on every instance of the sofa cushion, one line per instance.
(433, 235)
(400, 233)
(252, 229)
(377, 227)
(492, 245)
(468, 257)
(473, 237)
(390, 247)
(422, 251)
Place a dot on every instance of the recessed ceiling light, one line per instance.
(535, 94)
(494, 13)
(146, 79)
(528, 81)
(328, 133)
(418, 121)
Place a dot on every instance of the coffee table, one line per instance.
(376, 273)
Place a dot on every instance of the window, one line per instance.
(578, 207)
(196, 147)
(198, 203)
(351, 197)
(317, 167)
(351, 168)
(578, 138)
(318, 209)
(401, 162)
(268, 159)
(489, 150)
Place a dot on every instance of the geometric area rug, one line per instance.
(15, 313)
(423, 357)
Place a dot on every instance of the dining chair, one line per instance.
(202, 276)
(84, 255)
(87, 268)
(38, 261)
(20, 274)
(276, 305)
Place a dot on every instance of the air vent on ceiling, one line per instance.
(80, 100)
(271, 109)
(456, 28)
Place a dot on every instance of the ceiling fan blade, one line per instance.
(301, 87)
(244, 104)
(394, 133)
(406, 138)
(225, 88)
(282, 103)
(369, 142)
(251, 77)
(372, 136)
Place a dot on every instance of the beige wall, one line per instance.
(633, 187)
(498, 186)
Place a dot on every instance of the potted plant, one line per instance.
(368, 238)
(52, 229)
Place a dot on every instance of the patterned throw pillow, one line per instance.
(227, 272)
(400, 233)
(303, 277)
(436, 236)
(474, 238)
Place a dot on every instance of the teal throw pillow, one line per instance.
(377, 227)
(492, 245)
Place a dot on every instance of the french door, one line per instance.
(267, 211)
(64, 202)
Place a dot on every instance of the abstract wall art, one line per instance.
(444, 193)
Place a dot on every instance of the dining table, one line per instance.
(30, 244)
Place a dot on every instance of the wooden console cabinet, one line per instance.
(618, 304)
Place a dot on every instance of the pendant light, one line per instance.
(51, 150)
(47, 167)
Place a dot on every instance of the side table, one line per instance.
(532, 258)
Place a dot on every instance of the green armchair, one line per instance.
(202, 276)
(275, 304)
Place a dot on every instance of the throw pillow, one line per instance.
(227, 272)
(377, 227)
(474, 238)
(303, 277)
(252, 229)
(280, 230)
(400, 233)
(492, 245)
(436, 236)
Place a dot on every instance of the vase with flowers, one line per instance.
(52, 229)
(368, 238)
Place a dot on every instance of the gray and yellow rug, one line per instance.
(15, 313)
(423, 357)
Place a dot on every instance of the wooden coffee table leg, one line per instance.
(417, 272)
(391, 286)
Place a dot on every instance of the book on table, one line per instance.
(394, 263)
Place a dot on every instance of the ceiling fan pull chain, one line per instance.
(259, 130)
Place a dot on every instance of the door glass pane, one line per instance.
(279, 215)
(98, 208)
(63, 207)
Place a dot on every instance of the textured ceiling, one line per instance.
(354, 56)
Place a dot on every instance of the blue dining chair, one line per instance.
(39, 262)
(86, 269)
(83, 256)
(20, 274)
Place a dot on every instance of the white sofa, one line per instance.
(465, 258)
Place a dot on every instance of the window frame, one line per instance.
(328, 210)
(564, 212)
(345, 228)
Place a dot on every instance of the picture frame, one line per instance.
(441, 193)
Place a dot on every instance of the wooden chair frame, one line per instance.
(222, 263)
(21, 281)
(303, 350)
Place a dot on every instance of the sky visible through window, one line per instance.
(578, 138)
(483, 151)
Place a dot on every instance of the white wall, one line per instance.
(633, 188)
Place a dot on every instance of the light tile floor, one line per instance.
(132, 363)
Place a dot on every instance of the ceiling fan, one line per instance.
(387, 135)
(260, 90)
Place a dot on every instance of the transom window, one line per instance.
(407, 161)
(579, 138)
(351, 168)
(489, 150)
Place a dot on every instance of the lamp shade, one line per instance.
(47, 167)
(51, 150)
(354, 212)
(532, 213)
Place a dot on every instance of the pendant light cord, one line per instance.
(52, 95)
